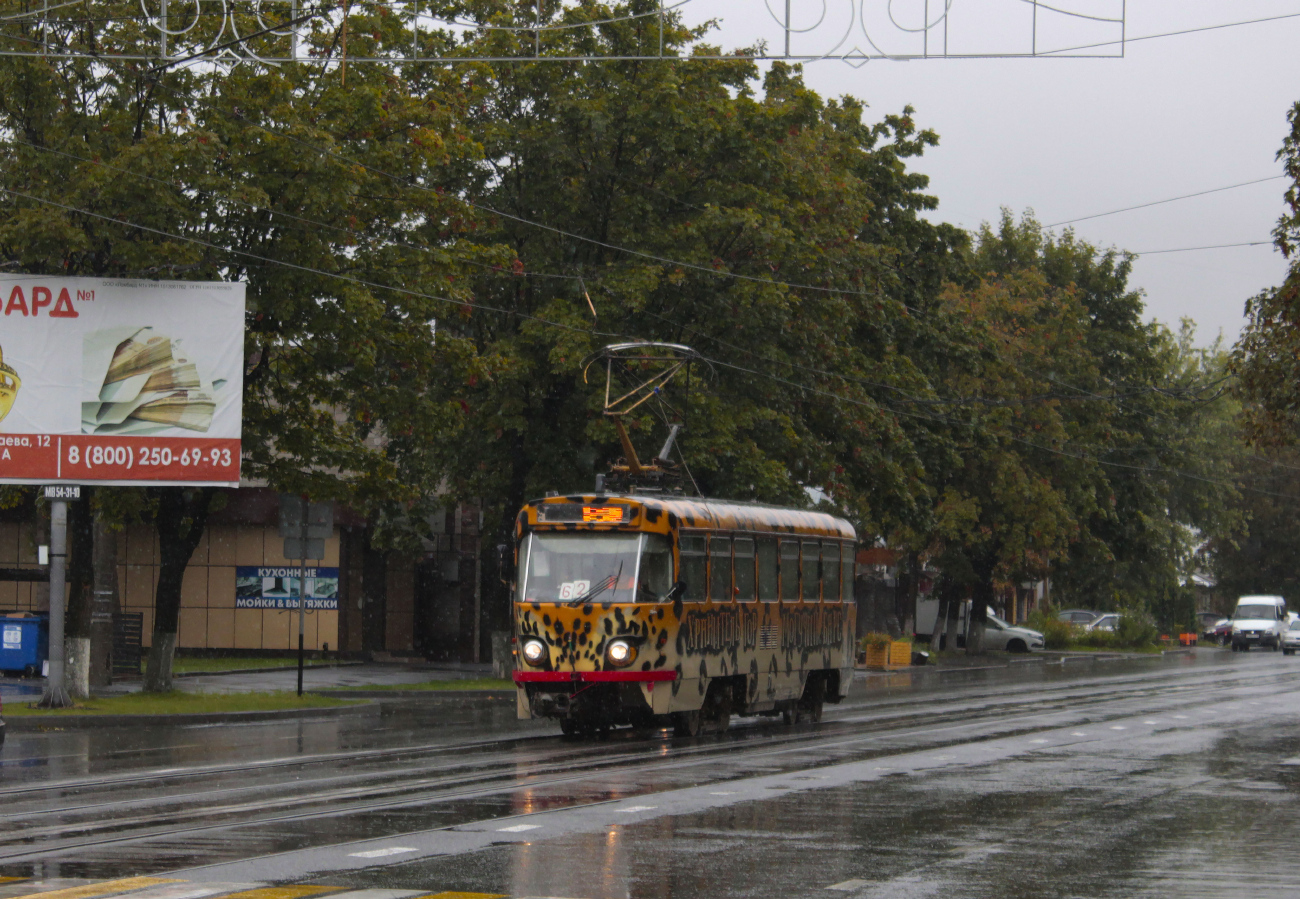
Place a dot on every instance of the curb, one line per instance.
(38, 723)
(439, 697)
(293, 667)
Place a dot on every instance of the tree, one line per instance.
(1011, 504)
(335, 203)
(762, 225)
(1149, 446)
(1266, 358)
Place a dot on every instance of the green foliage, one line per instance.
(1056, 634)
(874, 640)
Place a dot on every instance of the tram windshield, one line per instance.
(569, 567)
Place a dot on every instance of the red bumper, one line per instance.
(569, 677)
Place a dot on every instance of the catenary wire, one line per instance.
(1199, 193)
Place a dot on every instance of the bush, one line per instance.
(874, 640)
(1056, 634)
(1136, 630)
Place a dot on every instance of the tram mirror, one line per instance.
(678, 588)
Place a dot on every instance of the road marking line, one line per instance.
(193, 890)
(849, 886)
(1181, 717)
(518, 828)
(380, 853)
(284, 892)
(455, 895)
(379, 894)
(636, 808)
(1078, 733)
(723, 793)
(12, 879)
(1150, 722)
(1117, 727)
(103, 888)
(1037, 741)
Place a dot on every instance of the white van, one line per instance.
(998, 634)
(1258, 621)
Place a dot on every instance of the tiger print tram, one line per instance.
(664, 610)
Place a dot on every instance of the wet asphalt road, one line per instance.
(1174, 777)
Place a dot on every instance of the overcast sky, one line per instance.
(1074, 137)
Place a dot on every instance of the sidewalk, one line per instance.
(314, 679)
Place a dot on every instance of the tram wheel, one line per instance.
(716, 713)
(569, 727)
(810, 704)
(687, 724)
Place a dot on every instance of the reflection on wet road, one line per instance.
(1163, 777)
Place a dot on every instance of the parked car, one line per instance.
(1291, 639)
(1076, 616)
(1220, 632)
(1107, 622)
(1258, 621)
(998, 634)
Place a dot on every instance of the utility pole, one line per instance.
(56, 691)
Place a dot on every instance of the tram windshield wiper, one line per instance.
(608, 584)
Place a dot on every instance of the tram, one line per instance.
(653, 609)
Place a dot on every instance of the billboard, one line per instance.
(106, 381)
(277, 587)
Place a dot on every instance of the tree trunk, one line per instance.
(81, 551)
(104, 604)
(954, 621)
(76, 666)
(180, 521)
(981, 598)
(940, 619)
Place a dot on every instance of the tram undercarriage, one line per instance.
(598, 707)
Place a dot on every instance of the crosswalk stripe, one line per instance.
(104, 888)
(285, 892)
(186, 890)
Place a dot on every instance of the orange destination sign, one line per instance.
(602, 514)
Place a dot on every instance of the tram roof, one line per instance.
(699, 512)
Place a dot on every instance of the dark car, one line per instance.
(1076, 616)
(1218, 631)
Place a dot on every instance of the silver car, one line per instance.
(1291, 639)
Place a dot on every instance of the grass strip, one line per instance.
(182, 665)
(178, 702)
(466, 683)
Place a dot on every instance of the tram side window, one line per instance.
(744, 549)
(656, 568)
(831, 572)
(789, 570)
(720, 569)
(846, 576)
(811, 579)
(693, 563)
(768, 585)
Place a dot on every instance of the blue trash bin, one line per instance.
(24, 643)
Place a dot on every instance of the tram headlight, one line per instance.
(620, 653)
(534, 652)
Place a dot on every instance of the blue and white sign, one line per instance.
(13, 637)
(270, 587)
